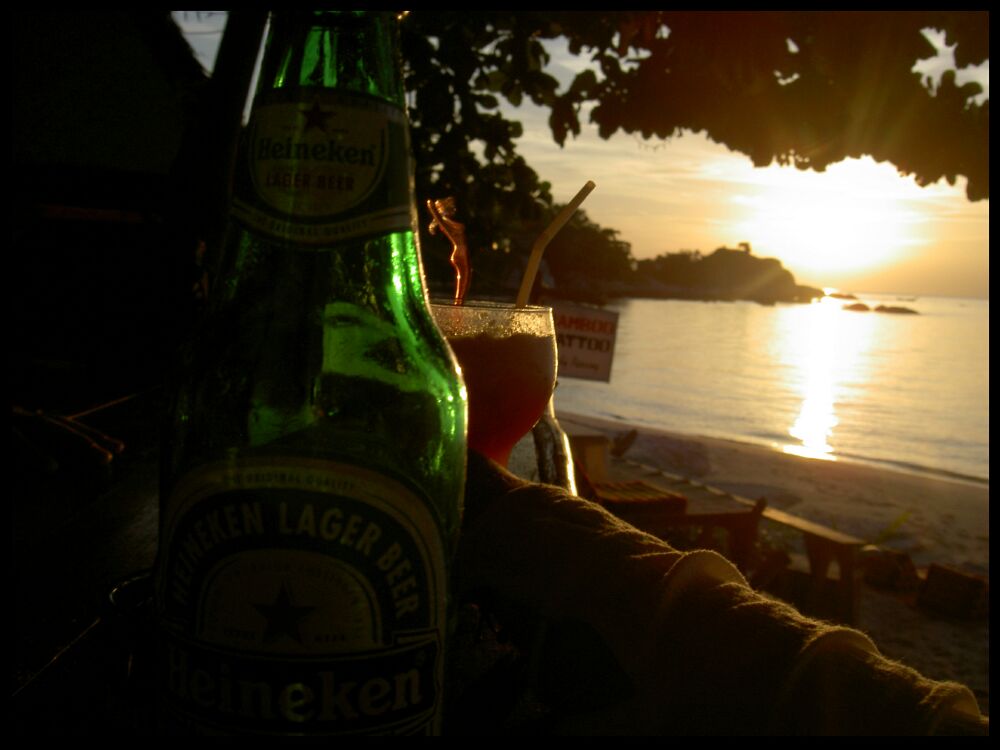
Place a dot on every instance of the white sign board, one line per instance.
(586, 337)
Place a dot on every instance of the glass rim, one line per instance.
(495, 319)
(486, 304)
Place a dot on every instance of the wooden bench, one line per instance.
(833, 598)
(824, 546)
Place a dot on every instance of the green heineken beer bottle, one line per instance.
(313, 477)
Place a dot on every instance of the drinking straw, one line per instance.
(543, 240)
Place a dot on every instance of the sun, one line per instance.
(857, 216)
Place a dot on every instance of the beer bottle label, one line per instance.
(300, 596)
(324, 166)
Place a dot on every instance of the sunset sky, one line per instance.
(858, 227)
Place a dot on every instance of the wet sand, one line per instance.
(932, 519)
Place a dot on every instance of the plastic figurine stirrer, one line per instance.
(442, 218)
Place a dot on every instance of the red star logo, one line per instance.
(283, 617)
(316, 117)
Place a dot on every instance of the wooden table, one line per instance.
(705, 509)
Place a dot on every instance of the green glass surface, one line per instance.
(328, 351)
(313, 350)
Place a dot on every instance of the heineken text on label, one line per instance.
(321, 167)
(266, 630)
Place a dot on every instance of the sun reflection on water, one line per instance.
(821, 353)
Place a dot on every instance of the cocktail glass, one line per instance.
(508, 360)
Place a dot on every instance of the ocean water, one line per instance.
(909, 392)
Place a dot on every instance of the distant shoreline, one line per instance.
(620, 296)
(939, 518)
(622, 424)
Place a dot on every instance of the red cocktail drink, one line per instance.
(508, 360)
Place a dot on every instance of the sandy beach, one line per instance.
(933, 520)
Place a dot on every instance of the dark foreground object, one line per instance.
(570, 621)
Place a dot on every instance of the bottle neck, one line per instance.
(346, 50)
(326, 167)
